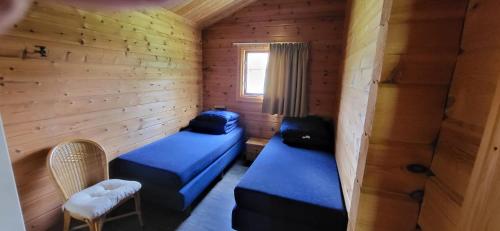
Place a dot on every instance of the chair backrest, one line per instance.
(76, 165)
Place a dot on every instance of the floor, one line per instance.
(212, 213)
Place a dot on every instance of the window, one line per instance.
(255, 72)
(253, 61)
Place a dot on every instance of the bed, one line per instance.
(290, 188)
(175, 170)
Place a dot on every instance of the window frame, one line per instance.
(241, 87)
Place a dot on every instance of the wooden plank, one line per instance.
(440, 208)
(473, 87)
(411, 98)
(375, 207)
(454, 156)
(473, 96)
(387, 167)
(427, 10)
(408, 113)
(425, 68)
(365, 39)
(412, 37)
(206, 12)
(470, 98)
(481, 205)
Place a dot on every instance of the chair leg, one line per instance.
(138, 210)
(67, 221)
(96, 225)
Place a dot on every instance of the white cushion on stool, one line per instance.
(98, 199)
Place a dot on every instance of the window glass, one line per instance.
(255, 72)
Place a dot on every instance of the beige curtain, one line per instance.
(286, 80)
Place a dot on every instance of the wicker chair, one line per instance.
(80, 169)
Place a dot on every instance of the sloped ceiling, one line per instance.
(207, 12)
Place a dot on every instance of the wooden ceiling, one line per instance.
(207, 12)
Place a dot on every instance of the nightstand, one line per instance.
(253, 147)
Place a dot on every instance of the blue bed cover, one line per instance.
(290, 183)
(173, 161)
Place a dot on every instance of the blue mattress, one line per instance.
(180, 200)
(296, 184)
(175, 160)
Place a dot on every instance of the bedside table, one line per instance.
(253, 147)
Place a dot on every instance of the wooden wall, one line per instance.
(317, 21)
(419, 58)
(366, 29)
(207, 12)
(122, 79)
(470, 97)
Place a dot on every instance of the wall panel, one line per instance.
(366, 30)
(207, 12)
(122, 79)
(469, 102)
(420, 54)
(318, 21)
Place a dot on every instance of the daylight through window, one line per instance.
(255, 72)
